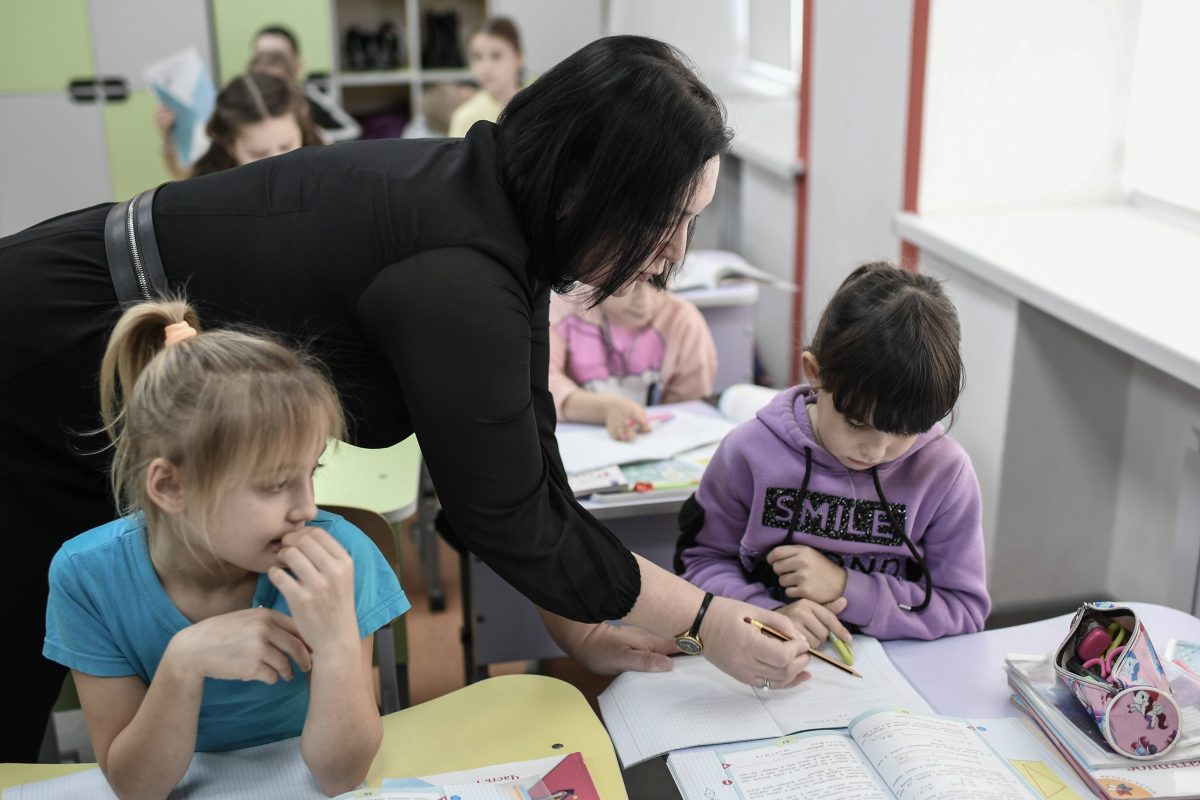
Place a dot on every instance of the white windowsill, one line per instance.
(1111, 270)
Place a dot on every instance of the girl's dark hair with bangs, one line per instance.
(887, 350)
(601, 154)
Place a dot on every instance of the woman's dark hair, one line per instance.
(601, 154)
(887, 350)
(502, 28)
(247, 99)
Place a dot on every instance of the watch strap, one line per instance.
(694, 631)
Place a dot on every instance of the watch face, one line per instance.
(689, 645)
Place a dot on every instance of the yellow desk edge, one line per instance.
(527, 715)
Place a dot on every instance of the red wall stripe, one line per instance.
(916, 107)
(802, 186)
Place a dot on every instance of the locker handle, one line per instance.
(115, 89)
(83, 90)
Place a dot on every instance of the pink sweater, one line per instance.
(671, 360)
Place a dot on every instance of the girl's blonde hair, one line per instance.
(222, 406)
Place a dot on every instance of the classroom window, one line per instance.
(1162, 159)
(770, 33)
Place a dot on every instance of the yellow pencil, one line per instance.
(783, 637)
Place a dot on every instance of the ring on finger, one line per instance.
(766, 685)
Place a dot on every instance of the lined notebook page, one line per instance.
(269, 770)
(648, 714)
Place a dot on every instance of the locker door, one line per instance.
(131, 34)
(51, 147)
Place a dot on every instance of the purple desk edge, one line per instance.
(963, 676)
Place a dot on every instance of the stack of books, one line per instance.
(1039, 693)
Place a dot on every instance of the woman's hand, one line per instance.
(624, 418)
(318, 585)
(807, 573)
(816, 620)
(253, 644)
(610, 649)
(743, 651)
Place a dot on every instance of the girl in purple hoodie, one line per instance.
(844, 501)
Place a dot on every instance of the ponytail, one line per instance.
(137, 338)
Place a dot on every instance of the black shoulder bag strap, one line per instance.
(134, 263)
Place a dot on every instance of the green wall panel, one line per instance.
(134, 146)
(44, 44)
(236, 21)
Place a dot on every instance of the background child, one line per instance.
(846, 499)
(185, 621)
(257, 115)
(496, 64)
(608, 362)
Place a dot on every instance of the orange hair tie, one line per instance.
(177, 332)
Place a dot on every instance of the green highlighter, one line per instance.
(843, 649)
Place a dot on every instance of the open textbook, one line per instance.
(651, 713)
(706, 269)
(883, 754)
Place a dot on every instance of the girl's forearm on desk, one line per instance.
(150, 755)
(342, 731)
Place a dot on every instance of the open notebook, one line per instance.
(648, 714)
(270, 770)
(589, 447)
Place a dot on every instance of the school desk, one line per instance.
(507, 718)
(964, 675)
(960, 675)
(499, 624)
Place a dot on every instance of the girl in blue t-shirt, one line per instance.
(223, 610)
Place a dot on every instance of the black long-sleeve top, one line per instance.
(401, 263)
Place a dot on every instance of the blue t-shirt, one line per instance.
(108, 615)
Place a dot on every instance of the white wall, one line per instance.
(551, 30)
(1156, 540)
(855, 174)
(703, 29)
(1025, 102)
(1164, 114)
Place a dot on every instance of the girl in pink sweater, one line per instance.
(609, 362)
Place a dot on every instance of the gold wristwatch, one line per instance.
(689, 641)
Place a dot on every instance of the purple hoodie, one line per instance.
(749, 490)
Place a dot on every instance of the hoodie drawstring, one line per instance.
(764, 574)
(926, 577)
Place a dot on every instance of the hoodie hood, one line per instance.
(786, 416)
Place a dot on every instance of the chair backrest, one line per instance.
(376, 527)
(391, 642)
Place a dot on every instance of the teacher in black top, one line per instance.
(420, 272)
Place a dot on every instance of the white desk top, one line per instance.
(963, 676)
(1113, 271)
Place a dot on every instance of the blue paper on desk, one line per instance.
(182, 84)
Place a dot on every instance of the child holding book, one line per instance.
(223, 610)
(644, 347)
(844, 502)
